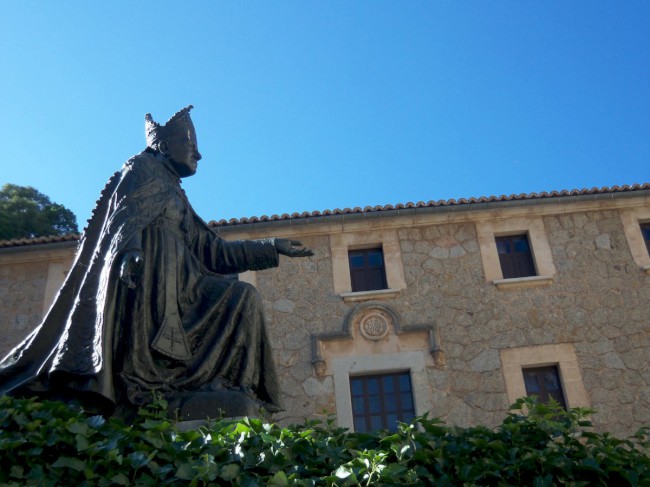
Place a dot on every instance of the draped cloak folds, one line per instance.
(185, 327)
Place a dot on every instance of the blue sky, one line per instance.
(303, 105)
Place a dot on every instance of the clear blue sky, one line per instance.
(313, 105)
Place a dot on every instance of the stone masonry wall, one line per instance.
(299, 302)
(22, 287)
(598, 302)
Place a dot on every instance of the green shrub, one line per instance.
(49, 443)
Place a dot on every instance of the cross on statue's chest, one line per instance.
(174, 339)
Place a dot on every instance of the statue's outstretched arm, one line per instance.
(251, 255)
(292, 248)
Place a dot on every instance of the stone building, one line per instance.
(455, 308)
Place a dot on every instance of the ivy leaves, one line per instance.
(50, 443)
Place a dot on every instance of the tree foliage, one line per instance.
(48, 443)
(28, 213)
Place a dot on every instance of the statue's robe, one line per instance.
(185, 327)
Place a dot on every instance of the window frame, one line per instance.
(342, 242)
(344, 367)
(645, 234)
(632, 219)
(532, 226)
(562, 355)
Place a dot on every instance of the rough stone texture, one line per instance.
(22, 288)
(598, 302)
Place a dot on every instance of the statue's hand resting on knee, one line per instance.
(131, 268)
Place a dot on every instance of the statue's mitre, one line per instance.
(179, 123)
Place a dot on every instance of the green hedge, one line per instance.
(49, 443)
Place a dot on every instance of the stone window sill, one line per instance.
(521, 282)
(646, 268)
(368, 295)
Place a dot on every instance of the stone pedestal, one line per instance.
(201, 405)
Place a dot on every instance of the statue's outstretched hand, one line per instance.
(131, 268)
(291, 248)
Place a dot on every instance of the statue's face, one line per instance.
(183, 153)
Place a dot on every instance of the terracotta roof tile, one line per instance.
(21, 242)
(368, 209)
(434, 204)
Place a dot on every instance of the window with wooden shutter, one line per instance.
(515, 256)
(367, 271)
(544, 382)
(380, 401)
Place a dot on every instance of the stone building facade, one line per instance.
(466, 338)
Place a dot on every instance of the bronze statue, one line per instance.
(145, 306)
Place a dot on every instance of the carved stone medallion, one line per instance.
(373, 326)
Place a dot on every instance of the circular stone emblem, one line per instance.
(373, 326)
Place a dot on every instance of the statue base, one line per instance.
(223, 403)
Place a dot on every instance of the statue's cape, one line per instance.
(74, 342)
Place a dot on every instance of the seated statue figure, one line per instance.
(146, 306)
